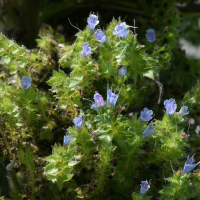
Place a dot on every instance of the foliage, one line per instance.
(108, 157)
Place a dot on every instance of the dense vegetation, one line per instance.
(96, 113)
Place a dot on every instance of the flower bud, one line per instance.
(183, 135)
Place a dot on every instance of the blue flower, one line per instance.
(66, 140)
(78, 121)
(111, 97)
(170, 106)
(100, 36)
(120, 30)
(150, 35)
(145, 115)
(25, 82)
(92, 21)
(144, 187)
(122, 71)
(86, 50)
(99, 100)
(189, 165)
(184, 111)
(148, 131)
(94, 106)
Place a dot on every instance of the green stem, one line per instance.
(102, 175)
(32, 180)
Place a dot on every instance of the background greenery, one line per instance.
(24, 21)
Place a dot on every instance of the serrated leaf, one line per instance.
(5, 59)
(52, 158)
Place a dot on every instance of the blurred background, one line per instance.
(21, 21)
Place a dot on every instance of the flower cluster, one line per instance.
(120, 31)
(99, 101)
(170, 105)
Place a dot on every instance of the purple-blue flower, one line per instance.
(148, 131)
(150, 35)
(189, 165)
(66, 140)
(92, 21)
(145, 115)
(86, 50)
(78, 121)
(144, 187)
(25, 82)
(122, 71)
(100, 36)
(111, 97)
(120, 30)
(184, 111)
(170, 106)
(99, 100)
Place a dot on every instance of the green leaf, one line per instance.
(8, 106)
(5, 59)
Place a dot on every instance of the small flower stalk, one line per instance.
(120, 30)
(86, 50)
(184, 111)
(26, 82)
(189, 165)
(78, 121)
(122, 71)
(66, 140)
(92, 21)
(150, 35)
(144, 187)
(100, 36)
(145, 115)
(170, 106)
(111, 97)
(148, 131)
(99, 100)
